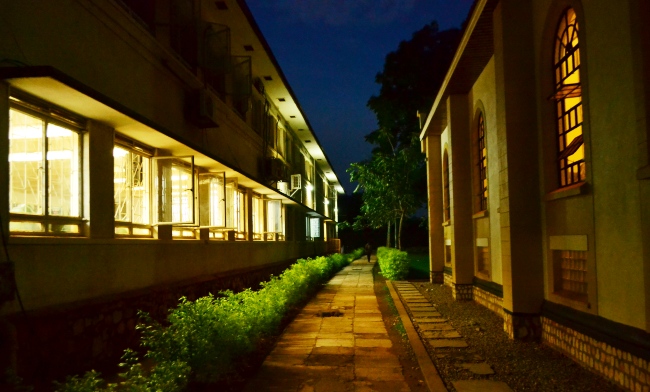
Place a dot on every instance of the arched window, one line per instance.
(568, 97)
(482, 164)
(445, 186)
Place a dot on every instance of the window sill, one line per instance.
(480, 214)
(569, 191)
(446, 223)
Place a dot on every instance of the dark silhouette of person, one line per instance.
(368, 249)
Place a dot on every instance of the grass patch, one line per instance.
(418, 266)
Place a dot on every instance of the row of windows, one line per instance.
(45, 161)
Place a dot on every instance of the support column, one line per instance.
(98, 180)
(249, 214)
(4, 163)
(519, 181)
(460, 185)
(432, 149)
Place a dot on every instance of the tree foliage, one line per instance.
(393, 180)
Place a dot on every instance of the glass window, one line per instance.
(235, 207)
(174, 183)
(131, 178)
(212, 199)
(44, 175)
(445, 188)
(568, 97)
(258, 222)
(274, 216)
(482, 164)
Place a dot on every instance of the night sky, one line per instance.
(330, 52)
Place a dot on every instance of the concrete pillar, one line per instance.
(433, 152)
(4, 163)
(98, 191)
(520, 204)
(458, 115)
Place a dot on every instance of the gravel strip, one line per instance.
(523, 366)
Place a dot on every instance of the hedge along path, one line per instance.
(338, 342)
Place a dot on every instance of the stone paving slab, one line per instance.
(481, 386)
(429, 320)
(436, 327)
(421, 314)
(442, 334)
(447, 343)
(481, 368)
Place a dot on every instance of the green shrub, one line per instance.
(357, 253)
(394, 263)
(203, 339)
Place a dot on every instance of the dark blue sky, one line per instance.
(330, 52)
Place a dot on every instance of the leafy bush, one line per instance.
(357, 253)
(203, 339)
(394, 263)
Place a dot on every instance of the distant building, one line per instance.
(155, 149)
(539, 177)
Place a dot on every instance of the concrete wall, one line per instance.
(483, 98)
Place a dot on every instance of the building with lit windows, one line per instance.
(538, 163)
(154, 149)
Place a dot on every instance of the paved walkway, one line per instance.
(338, 342)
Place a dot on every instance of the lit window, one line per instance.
(212, 199)
(44, 175)
(568, 97)
(235, 207)
(312, 228)
(445, 185)
(174, 186)
(482, 164)
(258, 222)
(274, 216)
(131, 179)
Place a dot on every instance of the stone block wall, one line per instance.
(623, 368)
(449, 280)
(489, 300)
(462, 292)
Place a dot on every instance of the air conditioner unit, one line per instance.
(203, 110)
(295, 182)
(283, 187)
(275, 169)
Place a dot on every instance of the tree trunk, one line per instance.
(399, 232)
(388, 235)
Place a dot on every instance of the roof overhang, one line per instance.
(51, 85)
(475, 50)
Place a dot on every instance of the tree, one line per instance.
(393, 180)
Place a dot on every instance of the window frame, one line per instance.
(568, 120)
(49, 114)
(482, 176)
(446, 195)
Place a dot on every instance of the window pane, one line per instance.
(274, 220)
(63, 171)
(26, 164)
(140, 188)
(121, 194)
(181, 194)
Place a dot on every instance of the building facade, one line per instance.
(539, 177)
(155, 149)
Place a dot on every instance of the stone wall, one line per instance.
(63, 341)
(623, 368)
(462, 292)
(489, 300)
(449, 280)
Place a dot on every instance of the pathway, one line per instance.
(338, 342)
(439, 334)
